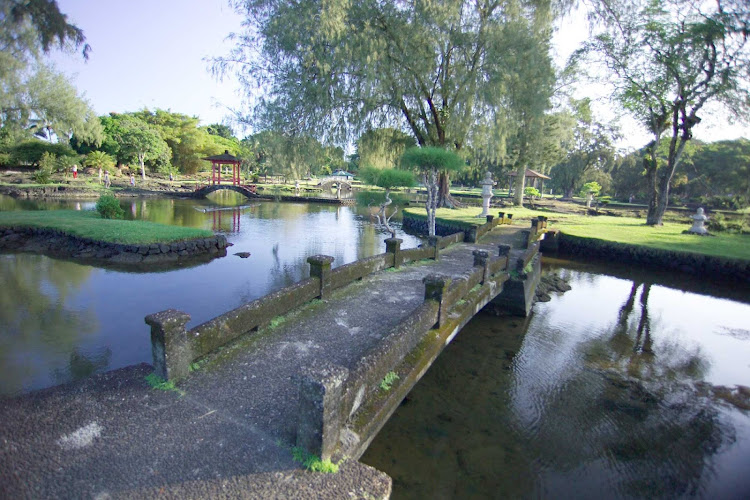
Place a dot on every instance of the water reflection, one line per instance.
(38, 324)
(66, 321)
(607, 392)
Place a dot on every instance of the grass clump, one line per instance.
(277, 322)
(88, 224)
(388, 381)
(109, 207)
(156, 382)
(313, 463)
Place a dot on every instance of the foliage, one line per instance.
(448, 72)
(532, 192)
(46, 164)
(56, 109)
(88, 224)
(140, 142)
(391, 178)
(108, 207)
(313, 463)
(429, 161)
(99, 159)
(31, 151)
(156, 382)
(29, 29)
(388, 381)
(589, 148)
(591, 188)
(667, 60)
(719, 223)
(381, 148)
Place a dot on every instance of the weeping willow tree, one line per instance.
(445, 71)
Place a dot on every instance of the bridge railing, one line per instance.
(175, 348)
(335, 398)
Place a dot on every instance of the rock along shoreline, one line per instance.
(58, 244)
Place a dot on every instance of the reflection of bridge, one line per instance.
(329, 182)
(249, 190)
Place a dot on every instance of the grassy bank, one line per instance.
(88, 224)
(625, 230)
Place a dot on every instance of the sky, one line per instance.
(152, 54)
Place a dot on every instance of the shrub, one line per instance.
(108, 207)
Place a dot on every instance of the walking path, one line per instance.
(231, 429)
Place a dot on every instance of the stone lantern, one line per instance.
(699, 221)
(487, 185)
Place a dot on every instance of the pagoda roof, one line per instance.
(223, 158)
(530, 173)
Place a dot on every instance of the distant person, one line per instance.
(171, 177)
(631, 198)
(106, 179)
(75, 171)
(132, 180)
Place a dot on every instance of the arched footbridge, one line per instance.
(249, 191)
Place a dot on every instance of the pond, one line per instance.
(63, 320)
(619, 388)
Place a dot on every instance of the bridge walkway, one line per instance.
(231, 427)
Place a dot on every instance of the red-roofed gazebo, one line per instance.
(224, 159)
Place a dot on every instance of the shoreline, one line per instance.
(146, 258)
(557, 241)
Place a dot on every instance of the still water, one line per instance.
(611, 390)
(61, 320)
(619, 388)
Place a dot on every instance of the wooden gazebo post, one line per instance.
(224, 159)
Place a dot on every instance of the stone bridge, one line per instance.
(317, 367)
(248, 191)
(332, 181)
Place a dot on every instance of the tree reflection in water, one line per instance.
(38, 323)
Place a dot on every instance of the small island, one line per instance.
(86, 237)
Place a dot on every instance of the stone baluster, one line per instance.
(482, 258)
(170, 345)
(319, 412)
(435, 288)
(320, 267)
(393, 245)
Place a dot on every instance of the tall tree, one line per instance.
(590, 147)
(141, 142)
(381, 148)
(668, 59)
(438, 69)
(28, 30)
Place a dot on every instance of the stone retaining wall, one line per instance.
(59, 244)
(704, 265)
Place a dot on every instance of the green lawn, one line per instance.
(88, 224)
(627, 230)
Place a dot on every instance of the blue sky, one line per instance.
(149, 54)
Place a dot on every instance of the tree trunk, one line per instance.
(444, 198)
(141, 159)
(653, 218)
(431, 183)
(519, 184)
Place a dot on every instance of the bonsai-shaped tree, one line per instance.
(531, 192)
(429, 162)
(590, 189)
(388, 179)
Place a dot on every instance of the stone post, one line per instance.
(319, 410)
(170, 345)
(435, 288)
(393, 245)
(490, 218)
(320, 267)
(526, 233)
(482, 258)
(434, 241)
(504, 251)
